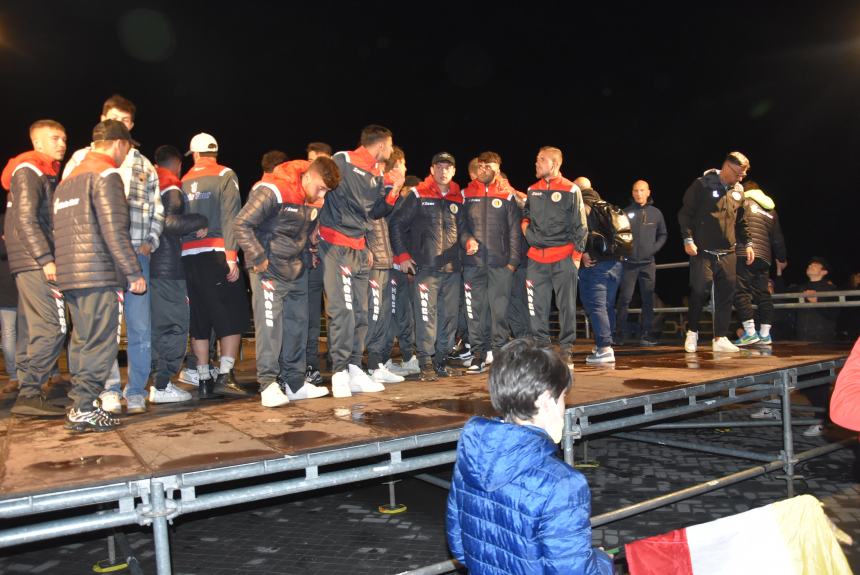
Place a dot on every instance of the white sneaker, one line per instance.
(110, 402)
(382, 375)
(340, 384)
(411, 366)
(307, 391)
(489, 358)
(170, 394)
(360, 382)
(274, 396)
(691, 342)
(189, 376)
(766, 413)
(722, 344)
(395, 368)
(605, 356)
(813, 430)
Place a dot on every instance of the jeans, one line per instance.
(598, 286)
(138, 330)
(8, 317)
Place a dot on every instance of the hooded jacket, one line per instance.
(554, 220)
(514, 507)
(31, 179)
(166, 261)
(276, 222)
(765, 233)
(492, 217)
(425, 227)
(649, 231)
(91, 228)
(709, 215)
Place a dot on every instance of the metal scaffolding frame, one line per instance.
(157, 500)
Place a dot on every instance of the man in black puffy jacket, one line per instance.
(273, 229)
(491, 238)
(95, 262)
(31, 178)
(168, 292)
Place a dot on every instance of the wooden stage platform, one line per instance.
(39, 456)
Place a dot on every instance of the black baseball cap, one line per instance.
(443, 157)
(112, 130)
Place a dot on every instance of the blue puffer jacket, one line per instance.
(514, 507)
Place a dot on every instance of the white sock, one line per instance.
(226, 364)
(765, 330)
(749, 326)
(203, 371)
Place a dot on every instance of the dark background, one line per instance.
(627, 91)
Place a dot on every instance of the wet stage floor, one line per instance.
(38, 455)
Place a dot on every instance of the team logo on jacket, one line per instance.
(454, 209)
(556, 197)
(424, 296)
(630, 215)
(313, 214)
(496, 203)
(736, 196)
(716, 193)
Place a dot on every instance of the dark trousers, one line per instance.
(169, 316)
(403, 321)
(751, 289)
(598, 286)
(315, 297)
(518, 313)
(488, 291)
(541, 281)
(280, 328)
(378, 317)
(345, 275)
(436, 298)
(93, 346)
(707, 270)
(645, 275)
(42, 330)
(463, 316)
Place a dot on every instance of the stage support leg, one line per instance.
(159, 528)
(789, 380)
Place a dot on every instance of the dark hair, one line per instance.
(411, 181)
(490, 158)
(328, 171)
(208, 154)
(319, 148)
(397, 155)
(120, 103)
(373, 133)
(819, 260)
(738, 159)
(751, 185)
(165, 153)
(520, 373)
(271, 159)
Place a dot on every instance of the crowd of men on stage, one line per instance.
(114, 237)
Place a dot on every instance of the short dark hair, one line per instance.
(319, 148)
(374, 133)
(328, 171)
(208, 154)
(411, 181)
(490, 158)
(165, 153)
(751, 185)
(120, 103)
(520, 373)
(397, 154)
(271, 159)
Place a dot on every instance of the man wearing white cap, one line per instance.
(216, 290)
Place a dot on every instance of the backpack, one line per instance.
(613, 236)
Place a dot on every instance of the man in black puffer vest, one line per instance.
(95, 261)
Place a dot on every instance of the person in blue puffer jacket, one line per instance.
(514, 506)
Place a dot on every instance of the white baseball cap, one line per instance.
(202, 142)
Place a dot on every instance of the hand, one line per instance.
(780, 266)
(512, 268)
(261, 267)
(201, 233)
(397, 179)
(471, 247)
(408, 266)
(808, 293)
(138, 286)
(750, 255)
(50, 271)
(233, 271)
(576, 261)
(691, 249)
(145, 249)
(587, 261)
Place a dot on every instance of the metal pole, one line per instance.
(726, 423)
(433, 480)
(159, 528)
(567, 437)
(435, 569)
(697, 447)
(788, 378)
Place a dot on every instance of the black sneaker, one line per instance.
(225, 384)
(36, 406)
(312, 376)
(441, 370)
(206, 389)
(648, 341)
(428, 373)
(95, 420)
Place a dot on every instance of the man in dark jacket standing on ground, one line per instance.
(95, 262)
(649, 235)
(491, 237)
(168, 293)
(709, 222)
(31, 178)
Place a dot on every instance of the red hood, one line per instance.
(42, 161)
(166, 178)
(430, 189)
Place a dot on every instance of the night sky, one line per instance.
(627, 91)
